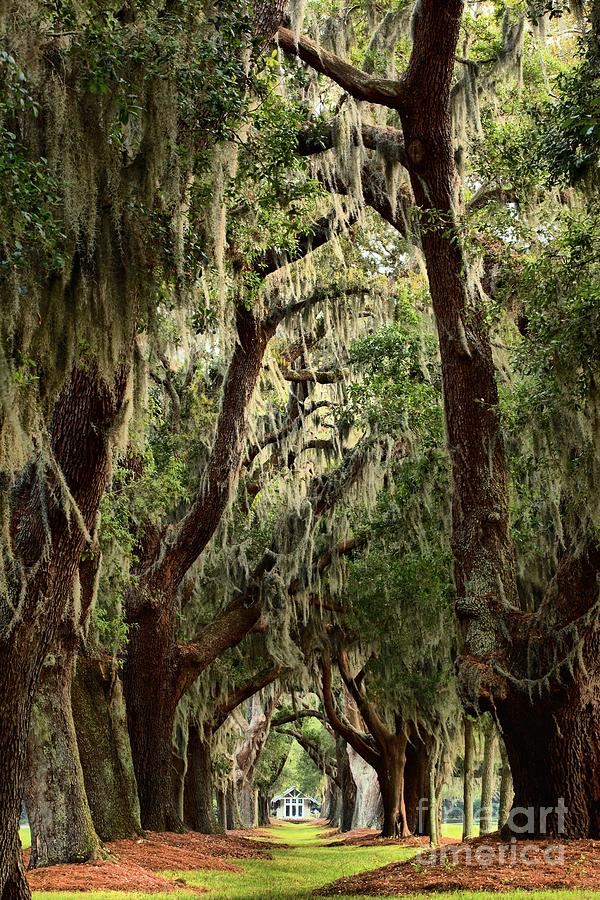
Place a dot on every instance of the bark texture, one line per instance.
(80, 435)
(104, 748)
(198, 812)
(468, 776)
(61, 824)
(347, 785)
(506, 789)
(488, 779)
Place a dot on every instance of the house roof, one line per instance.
(294, 794)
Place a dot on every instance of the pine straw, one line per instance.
(131, 864)
(437, 871)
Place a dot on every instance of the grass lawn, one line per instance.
(25, 836)
(294, 873)
(454, 830)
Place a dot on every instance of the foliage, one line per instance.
(272, 758)
(299, 771)
(30, 226)
(571, 125)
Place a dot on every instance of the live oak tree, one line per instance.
(117, 126)
(499, 634)
(104, 166)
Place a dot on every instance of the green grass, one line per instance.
(297, 872)
(25, 835)
(454, 830)
(294, 873)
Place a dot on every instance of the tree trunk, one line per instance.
(231, 807)
(264, 805)
(15, 886)
(247, 797)
(469, 770)
(497, 635)
(47, 551)
(347, 785)
(61, 824)
(222, 809)
(555, 759)
(416, 790)
(391, 783)
(14, 721)
(506, 789)
(434, 838)
(149, 683)
(198, 813)
(153, 677)
(488, 779)
(104, 748)
(332, 804)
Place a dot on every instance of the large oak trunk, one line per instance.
(198, 809)
(546, 734)
(104, 748)
(14, 716)
(156, 675)
(391, 783)
(247, 804)
(555, 761)
(47, 554)
(151, 697)
(61, 824)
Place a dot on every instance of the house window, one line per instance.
(293, 810)
(300, 809)
(287, 809)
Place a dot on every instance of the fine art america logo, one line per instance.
(522, 820)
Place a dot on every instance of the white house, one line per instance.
(294, 805)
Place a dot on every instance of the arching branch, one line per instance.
(298, 714)
(314, 751)
(233, 699)
(359, 84)
(389, 142)
(312, 376)
(356, 688)
(355, 738)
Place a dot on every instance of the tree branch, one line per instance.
(313, 750)
(353, 737)
(298, 714)
(244, 692)
(359, 84)
(274, 437)
(312, 376)
(321, 231)
(355, 685)
(241, 615)
(320, 137)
